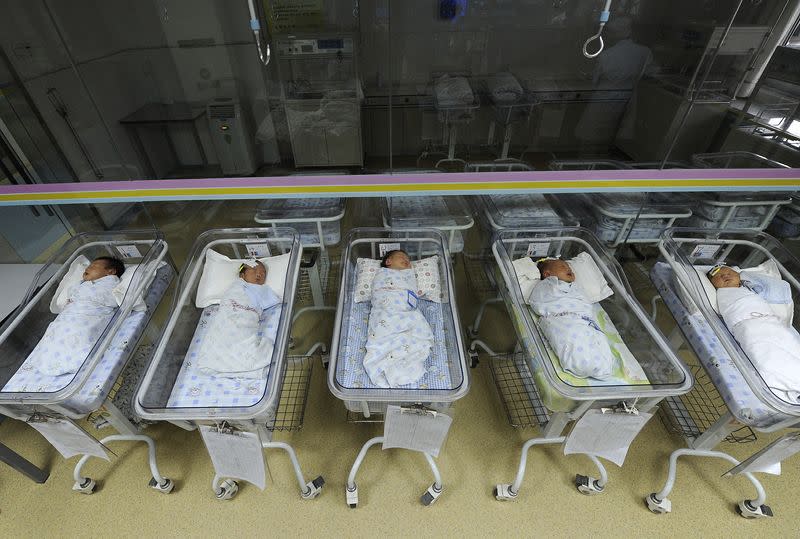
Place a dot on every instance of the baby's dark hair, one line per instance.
(544, 265)
(244, 267)
(113, 264)
(389, 255)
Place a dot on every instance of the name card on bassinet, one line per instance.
(129, 251)
(67, 437)
(768, 460)
(607, 435)
(236, 454)
(384, 248)
(417, 429)
(257, 250)
(536, 249)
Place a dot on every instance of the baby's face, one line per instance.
(560, 269)
(256, 275)
(398, 261)
(96, 270)
(726, 278)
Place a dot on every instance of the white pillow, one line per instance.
(219, 272)
(587, 275)
(427, 272)
(121, 289)
(73, 276)
(768, 269)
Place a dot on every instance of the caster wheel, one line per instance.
(227, 489)
(588, 485)
(352, 496)
(473, 359)
(431, 495)
(472, 333)
(748, 510)
(657, 506)
(313, 488)
(165, 487)
(291, 343)
(87, 487)
(325, 361)
(504, 493)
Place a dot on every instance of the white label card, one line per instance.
(384, 248)
(129, 251)
(538, 249)
(606, 435)
(68, 438)
(237, 455)
(424, 432)
(257, 250)
(705, 251)
(768, 460)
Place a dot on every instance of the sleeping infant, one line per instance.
(399, 338)
(568, 322)
(772, 346)
(70, 338)
(234, 346)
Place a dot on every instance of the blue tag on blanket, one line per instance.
(412, 299)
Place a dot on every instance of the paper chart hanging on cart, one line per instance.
(236, 454)
(768, 460)
(68, 438)
(418, 430)
(607, 434)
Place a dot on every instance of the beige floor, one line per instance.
(481, 451)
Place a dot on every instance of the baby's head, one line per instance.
(397, 260)
(102, 266)
(553, 267)
(253, 274)
(724, 277)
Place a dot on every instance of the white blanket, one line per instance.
(773, 348)
(234, 346)
(568, 323)
(72, 335)
(399, 339)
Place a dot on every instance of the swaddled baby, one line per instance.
(772, 346)
(568, 322)
(399, 338)
(72, 335)
(234, 346)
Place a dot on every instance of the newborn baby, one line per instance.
(70, 338)
(772, 346)
(568, 322)
(234, 346)
(399, 338)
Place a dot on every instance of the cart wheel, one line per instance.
(227, 490)
(165, 487)
(352, 496)
(747, 510)
(588, 485)
(431, 495)
(504, 493)
(657, 506)
(86, 487)
(313, 488)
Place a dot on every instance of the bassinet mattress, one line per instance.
(99, 383)
(627, 370)
(196, 389)
(350, 373)
(519, 208)
(738, 397)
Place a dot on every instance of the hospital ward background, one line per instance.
(399, 267)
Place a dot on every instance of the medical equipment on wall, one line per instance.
(231, 136)
(604, 16)
(322, 95)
